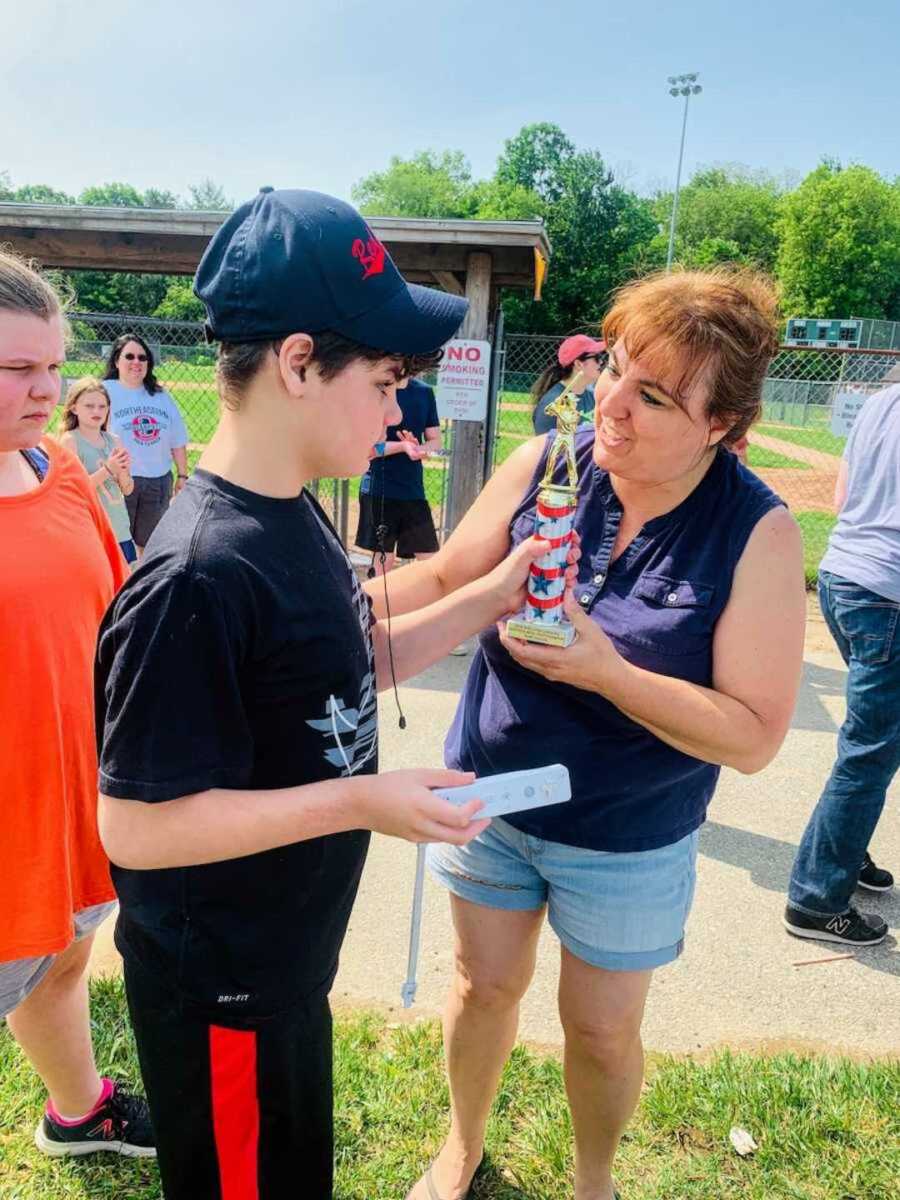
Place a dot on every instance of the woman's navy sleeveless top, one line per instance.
(659, 603)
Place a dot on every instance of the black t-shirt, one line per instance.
(396, 476)
(239, 655)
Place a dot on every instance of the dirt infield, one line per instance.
(803, 491)
(809, 490)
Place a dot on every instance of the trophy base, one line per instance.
(560, 634)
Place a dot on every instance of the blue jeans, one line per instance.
(622, 911)
(865, 627)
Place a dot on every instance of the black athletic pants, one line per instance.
(239, 1114)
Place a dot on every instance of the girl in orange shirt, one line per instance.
(58, 554)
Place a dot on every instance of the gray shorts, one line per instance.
(147, 505)
(21, 976)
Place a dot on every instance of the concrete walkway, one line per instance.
(737, 983)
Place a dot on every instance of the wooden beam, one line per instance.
(449, 282)
(467, 462)
(172, 241)
(510, 261)
(91, 250)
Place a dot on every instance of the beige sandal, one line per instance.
(433, 1193)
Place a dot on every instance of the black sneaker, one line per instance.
(121, 1125)
(874, 879)
(851, 928)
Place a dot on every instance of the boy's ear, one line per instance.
(293, 359)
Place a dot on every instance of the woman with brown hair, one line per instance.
(689, 609)
(59, 569)
(152, 429)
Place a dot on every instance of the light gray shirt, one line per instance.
(150, 427)
(865, 543)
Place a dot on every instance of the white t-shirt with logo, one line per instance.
(150, 427)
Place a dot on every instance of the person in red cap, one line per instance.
(578, 353)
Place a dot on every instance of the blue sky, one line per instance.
(315, 94)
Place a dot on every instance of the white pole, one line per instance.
(687, 97)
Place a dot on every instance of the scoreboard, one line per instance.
(823, 334)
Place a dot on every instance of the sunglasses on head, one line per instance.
(129, 357)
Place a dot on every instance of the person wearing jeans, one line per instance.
(859, 592)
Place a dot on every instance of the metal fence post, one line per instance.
(494, 393)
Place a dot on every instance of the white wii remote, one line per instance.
(515, 791)
(501, 794)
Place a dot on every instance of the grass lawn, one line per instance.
(826, 1129)
(815, 527)
(172, 371)
(510, 438)
(759, 456)
(820, 438)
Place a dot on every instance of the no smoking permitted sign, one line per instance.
(464, 380)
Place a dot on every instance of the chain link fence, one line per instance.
(809, 399)
(185, 367)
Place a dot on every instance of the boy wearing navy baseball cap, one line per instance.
(237, 673)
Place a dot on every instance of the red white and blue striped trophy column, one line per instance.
(543, 620)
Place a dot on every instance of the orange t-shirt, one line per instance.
(60, 566)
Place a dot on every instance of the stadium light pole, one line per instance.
(687, 86)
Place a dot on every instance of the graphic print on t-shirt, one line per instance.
(351, 732)
(145, 429)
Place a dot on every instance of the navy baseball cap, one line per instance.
(293, 261)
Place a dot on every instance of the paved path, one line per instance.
(736, 983)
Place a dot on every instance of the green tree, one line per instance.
(41, 193)
(179, 303)
(840, 245)
(597, 228)
(209, 196)
(535, 159)
(112, 195)
(498, 200)
(426, 185)
(119, 291)
(159, 198)
(725, 214)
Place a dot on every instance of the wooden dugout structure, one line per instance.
(471, 258)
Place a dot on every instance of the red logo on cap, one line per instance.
(370, 253)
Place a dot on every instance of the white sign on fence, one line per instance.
(845, 411)
(463, 380)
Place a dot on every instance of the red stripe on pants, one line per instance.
(235, 1111)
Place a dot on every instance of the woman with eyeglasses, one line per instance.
(152, 430)
(576, 354)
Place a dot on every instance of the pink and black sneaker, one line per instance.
(119, 1123)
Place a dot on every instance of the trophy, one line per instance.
(543, 620)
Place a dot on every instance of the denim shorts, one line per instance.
(619, 911)
(21, 976)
